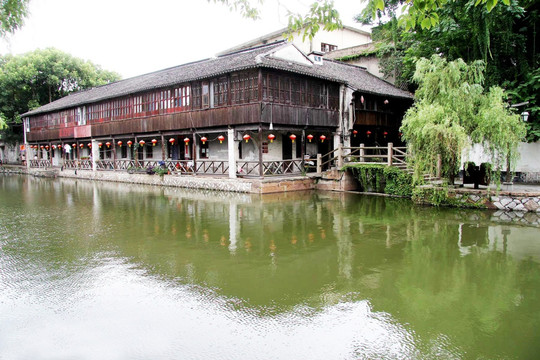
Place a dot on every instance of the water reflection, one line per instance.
(140, 272)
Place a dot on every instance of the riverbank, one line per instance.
(516, 197)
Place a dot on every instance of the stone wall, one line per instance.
(503, 200)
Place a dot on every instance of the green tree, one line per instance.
(12, 14)
(39, 77)
(452, 111)
(503, 38)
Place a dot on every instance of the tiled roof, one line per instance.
(354, 76)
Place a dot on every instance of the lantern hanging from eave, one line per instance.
(54, 147)
(42, 147)
(204, 140)
(186, 140)
(100, 145)
(108, 144)
(386, 102)
(74, 145)
(119, 143)
(385, 133)
(310, 137)
(221, 138)
(59, 146)
(271, 137)
(47, 147)
(130, 143)
(90, 145)
(292, 137)
(355, 132)
(362, 99)
(172, 141)
(246, 137)
(368, 133)
(154, 142)
(142, 142)
(322, 137)
(81, 146)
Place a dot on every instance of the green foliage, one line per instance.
(398, 182)
(321, 14)
(435, 196)
(423, 14)
(12, 14)
(452, 111)
(39, 77)
(382, 179)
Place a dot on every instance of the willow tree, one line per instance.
(452, 112)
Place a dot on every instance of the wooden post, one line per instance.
(194, 153)
(319, 164)
(340, 156)
(439, 166)
(231, 153)
(390, 153)
(163, 148)
(113, 144)
(261, 170)
(362, 153)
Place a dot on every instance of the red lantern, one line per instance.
(81, 146)
(204, 140)
(74, 145)
(310, 137)
(246, 137)
(221, 138)
(54, 147)
(119, 143)
(385, 133)
(362, 99)
(47, 147)
(90, 145)
(42, 147)
(108, 144)
(186, 140)
(172, 140)
(142, 142)
(292, 137)
(130, 143)
(368, 133)
(355, 132)
(386, 102)
(59, 146)
(100, 145)
(271, 137)
(154, 142)
(322, 137)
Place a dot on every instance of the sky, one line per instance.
(134, 37)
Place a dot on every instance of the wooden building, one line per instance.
(259, 111)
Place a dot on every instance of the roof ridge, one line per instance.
(252, 48)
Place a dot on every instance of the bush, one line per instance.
(382, 179)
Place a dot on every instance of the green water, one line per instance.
(112, 271)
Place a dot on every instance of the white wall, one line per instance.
(528, 162)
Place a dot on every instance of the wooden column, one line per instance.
(194, 150)
(232, 153)
(113, 144)
(163, 148)
(261, 170)
(390, 153)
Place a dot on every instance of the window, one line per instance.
(149, 152)
(124, 152)
(328, 47)
(205, 95)
(221, 87)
